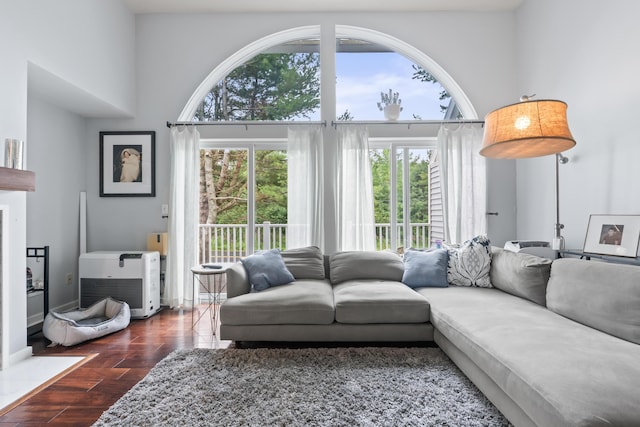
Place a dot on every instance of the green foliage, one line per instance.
(419, 179)
(419, 186)
(271, 186)
(346, 116)
(231, 191)
(380, 171)
(267, 87)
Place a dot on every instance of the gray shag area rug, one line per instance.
(304, 387)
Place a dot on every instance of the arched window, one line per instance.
(350, 42)
(292, 76)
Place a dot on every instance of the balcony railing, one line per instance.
(228, 242)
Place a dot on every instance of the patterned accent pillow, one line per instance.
(469, 264)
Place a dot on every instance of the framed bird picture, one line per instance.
(127, 164)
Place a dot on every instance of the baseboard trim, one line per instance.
(19, 355)
(72, 305)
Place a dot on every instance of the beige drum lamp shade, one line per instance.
(527, 129)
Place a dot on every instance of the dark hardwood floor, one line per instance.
(119, 361)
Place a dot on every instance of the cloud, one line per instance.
(360, 96)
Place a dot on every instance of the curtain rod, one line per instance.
(334, 123)
(408, 123)
(248, 123)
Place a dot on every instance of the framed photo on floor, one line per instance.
(616, 235)
(127, 164)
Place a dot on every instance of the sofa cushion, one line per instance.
(470, 263)
(304, 302)
(356, 265)
(520, 274)
(378, 301)
(560, 372)
(601, 295)
(305, 263)
(425, 268)
(267, 269)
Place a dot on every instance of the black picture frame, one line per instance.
(616, 235)
(127, 164)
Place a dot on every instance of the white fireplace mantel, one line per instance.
(13, 264)
(17, 180)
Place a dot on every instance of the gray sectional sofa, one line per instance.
(551, 343)
(350, 296)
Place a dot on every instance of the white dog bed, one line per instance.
(102, 318)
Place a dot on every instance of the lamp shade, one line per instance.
(527, 129)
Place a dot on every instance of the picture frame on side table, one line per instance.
(616, 235)
(127, 164)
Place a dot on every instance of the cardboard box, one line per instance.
(158, 242)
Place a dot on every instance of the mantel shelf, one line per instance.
(17, 180)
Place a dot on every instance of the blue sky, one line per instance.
(362, 76)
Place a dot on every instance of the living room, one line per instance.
(109, 69)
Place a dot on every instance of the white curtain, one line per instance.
(464, 182)
(183, 215)
(305, 210)
(356, 223)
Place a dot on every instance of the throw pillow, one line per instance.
(470, 264)
(305, 263)
(425, 269)
(266, 269)
(520, 274)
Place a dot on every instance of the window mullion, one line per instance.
(251, 192)
(329, 134)
(406, 197)
(393, 209)
(327, 72)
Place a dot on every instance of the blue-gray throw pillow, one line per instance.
(426, 269)
(267, 269)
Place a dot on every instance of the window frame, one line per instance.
(328, 33)
(251, 145)
(403, 145)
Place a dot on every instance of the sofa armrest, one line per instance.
(237, 281)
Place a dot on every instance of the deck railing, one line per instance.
(228, 242)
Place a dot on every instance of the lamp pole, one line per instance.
(558, 241)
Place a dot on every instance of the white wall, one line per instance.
(177, 52)
(583, 52)
(57, 150)
(84, 49)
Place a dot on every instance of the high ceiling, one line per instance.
(221, 6)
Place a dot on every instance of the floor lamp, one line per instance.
(530, 129)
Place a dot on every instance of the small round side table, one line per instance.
(213, 281)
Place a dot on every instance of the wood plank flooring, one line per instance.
(121, 360)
